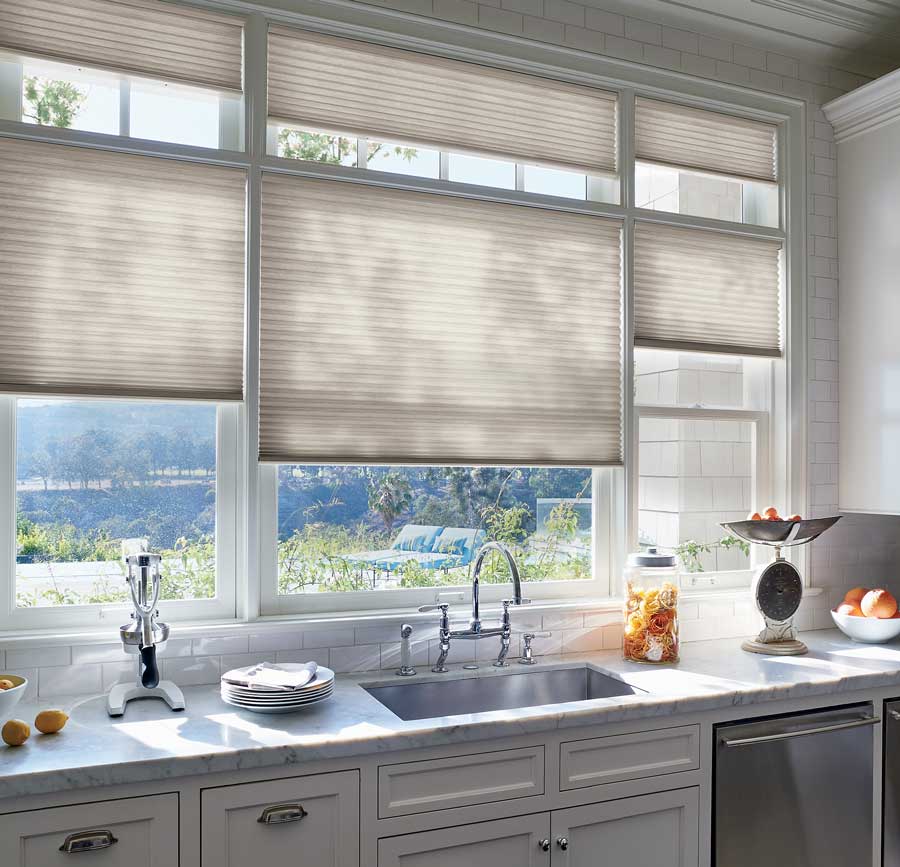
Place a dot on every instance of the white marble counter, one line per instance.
(152, 743)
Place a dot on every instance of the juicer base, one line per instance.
(122, 693)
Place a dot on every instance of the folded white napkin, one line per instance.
(268, 675)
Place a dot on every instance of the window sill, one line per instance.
(262, 625)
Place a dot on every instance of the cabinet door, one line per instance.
(519, 842)
(300, 820)
(131, 832)
(650, 829)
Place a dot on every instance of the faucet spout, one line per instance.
(475, 623)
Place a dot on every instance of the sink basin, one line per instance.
(427, 699)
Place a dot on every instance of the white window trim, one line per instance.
(255, 563)
(222, 606)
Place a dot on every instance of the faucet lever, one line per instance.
(527, 650)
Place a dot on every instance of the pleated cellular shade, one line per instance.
(706, 141)
(120, 275)
(705, 291)
(394, 95)
(148, 38)
(407, 327)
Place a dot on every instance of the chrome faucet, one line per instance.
(476, 630)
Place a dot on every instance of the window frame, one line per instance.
(222, 606)
(254, 485)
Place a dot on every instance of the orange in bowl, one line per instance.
(878, 603)
(849, 609)
(854, 596)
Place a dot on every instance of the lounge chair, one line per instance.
(453, 547)
(412, 538)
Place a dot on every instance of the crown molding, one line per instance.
(865, 109)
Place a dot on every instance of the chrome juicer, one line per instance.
(144, 634)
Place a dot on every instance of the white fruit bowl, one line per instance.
(9, 698)
(870, 630)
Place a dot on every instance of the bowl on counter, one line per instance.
(9, 698)
(871, 630)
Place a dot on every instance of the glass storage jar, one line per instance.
(651, 607)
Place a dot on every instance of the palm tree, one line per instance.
(390, 497)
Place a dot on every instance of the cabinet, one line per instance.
(130, 832)
(278, 821)
(645, 830)
(867, 131)
(648, 829)
(520, 842)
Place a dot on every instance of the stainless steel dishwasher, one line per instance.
(795, 790)
(891, 823)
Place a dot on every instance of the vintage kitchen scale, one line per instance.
(778, 586)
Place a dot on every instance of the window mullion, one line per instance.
(124, 106)
(7, 509)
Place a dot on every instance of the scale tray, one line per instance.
(780, 533)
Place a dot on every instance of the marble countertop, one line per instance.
(152, 743)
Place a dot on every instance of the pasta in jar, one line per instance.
(651, 608)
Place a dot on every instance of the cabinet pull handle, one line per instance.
(281, 813)
(563, 843)
(818, 730)
(544, 845)
(87, 841)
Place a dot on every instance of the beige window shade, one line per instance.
(341, 85)
(706, 141)
(408, 327)
(147, 38)
(706, 291)
(120, 274)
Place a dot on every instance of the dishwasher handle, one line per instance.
(818, 730)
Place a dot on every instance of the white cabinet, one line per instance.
(520, 842)
(131, 832)
(867, 129)
(300, 820)
(646, 830)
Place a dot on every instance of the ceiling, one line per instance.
(861, 36)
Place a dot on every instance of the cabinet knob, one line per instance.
(544, 845)
(563, 843)
(281, 813)
(87, 841)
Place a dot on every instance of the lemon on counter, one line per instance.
(15, 732)
(50, 721)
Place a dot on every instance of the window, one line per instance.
(702, 457)
(89, 474)
(80, 98)
(664, 188)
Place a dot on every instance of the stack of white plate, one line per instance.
(237, 692)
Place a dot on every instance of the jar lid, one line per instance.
(653, 559)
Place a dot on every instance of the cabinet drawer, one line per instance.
(419, 787)
(131, 832)
(314, 819)
(628, 757)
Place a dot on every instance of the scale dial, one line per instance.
(779, 590)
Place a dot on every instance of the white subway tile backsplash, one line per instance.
(192, 671)
(70, 680)
(263, 642)
(365, 657)
(87, 653)
(342, 636)
(38, 657)
(214, 646)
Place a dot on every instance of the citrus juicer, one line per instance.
(144, 634)
(778, 586)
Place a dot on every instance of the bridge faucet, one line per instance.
(476, 630)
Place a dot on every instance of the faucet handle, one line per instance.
(508, 602)
(443, 607)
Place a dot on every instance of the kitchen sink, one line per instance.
(436, 698)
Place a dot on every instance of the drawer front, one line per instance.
(439, 784)
(314, 819)
(628, 757)
(131, 832)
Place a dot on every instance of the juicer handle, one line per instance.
(150, 674)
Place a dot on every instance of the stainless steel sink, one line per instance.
(427, 699)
